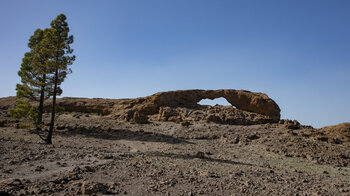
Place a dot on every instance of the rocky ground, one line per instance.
(97, 155)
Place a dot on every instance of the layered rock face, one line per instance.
(252, 108)
(216, 114)
(182, 105)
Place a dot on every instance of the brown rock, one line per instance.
(258, 103)
(96, 105)
(200, 155)
(289, 124)
(338, 133)
(92, 188)
(166, 112)
(281, 121)
(252, 102)
(140, 118)
(251, 108)
(185, 123)
(11, 184)
(214, 118)
(176, 119)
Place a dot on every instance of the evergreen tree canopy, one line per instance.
(34, 84)
(32, 69)
(57, 47)
(43, 70)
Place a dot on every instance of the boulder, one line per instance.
(140, 118)
(166, 112)
(93, 188)
(289, 124)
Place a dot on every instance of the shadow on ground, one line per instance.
(120, 134)
(202, 158)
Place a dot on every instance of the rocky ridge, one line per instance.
(182, 105)
(177, 106)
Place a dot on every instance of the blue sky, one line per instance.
(296, 51)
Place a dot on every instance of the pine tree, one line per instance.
(57, 47)
(35, 86)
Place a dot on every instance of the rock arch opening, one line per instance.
(218, 101)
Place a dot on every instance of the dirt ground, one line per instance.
(97, 155)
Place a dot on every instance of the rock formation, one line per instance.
(177, 106)
(339, 133)
(252, 108)
(257, 103)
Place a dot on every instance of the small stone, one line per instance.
(11, 182)
(89, 169)
(190, 194)
(8, 171)
(108, 157)
(200, 155)
(235, 140)
(185, 123)
(64, 164)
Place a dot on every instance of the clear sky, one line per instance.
(296, 51)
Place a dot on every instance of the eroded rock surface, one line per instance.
(251, 108)
(215, 114)
(337, 133)
(258, 103)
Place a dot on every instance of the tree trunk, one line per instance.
(41, 104)
(52, 124)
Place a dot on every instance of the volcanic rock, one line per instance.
(250, 107)
(140, 118)
(258, 103)
(340, 132)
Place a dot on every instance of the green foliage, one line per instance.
(35, 85)
(59, 109)
(25, 110)
(24, 91)
(57, 48)
(24, 125)
(43, 70)
(33, 71)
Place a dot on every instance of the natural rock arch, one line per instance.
(245, 100)
(248, 101)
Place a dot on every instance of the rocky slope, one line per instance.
(184, 149)
(94, 154)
